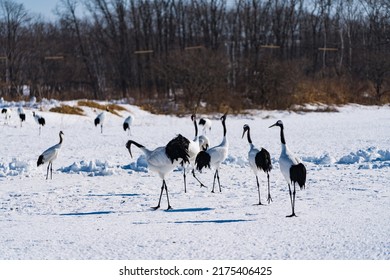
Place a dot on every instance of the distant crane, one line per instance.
(214, 156)
(206, 123)
(163, 160)
(39, 120)
(49, 156)
(22, 115)
(258, 160)
(100, 119)
(127, 123)
(7, 114)
(291, 167)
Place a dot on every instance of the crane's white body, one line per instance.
(158, 161)
(218, 153)
(286, 160)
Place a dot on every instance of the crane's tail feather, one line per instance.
(125, 126)
(202, 160)
(177, 149)
(40, 160)
(263, 160)
(298, 174)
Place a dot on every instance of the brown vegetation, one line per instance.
(66, 109)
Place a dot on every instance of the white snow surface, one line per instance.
(98, 204)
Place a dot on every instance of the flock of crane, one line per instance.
(195, 154)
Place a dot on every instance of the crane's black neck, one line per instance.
(249, 136)
(282, 135)
(135, 143)
(196, 128)
(60, 138)
(224, 127)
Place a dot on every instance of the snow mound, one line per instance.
(325, 159)
(371, 154)
(91, 168)
(239, 161)
(141, 165)
(14, 168)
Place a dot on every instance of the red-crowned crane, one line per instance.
(206, 123)
(291, 167)
(213, 157)
(163, 160)
(100, 119)
(258, 160)
(49, 156)
(7, 114)
(39, 120)
(128, 123)
(22, 115)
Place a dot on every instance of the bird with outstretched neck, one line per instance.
(163, 160)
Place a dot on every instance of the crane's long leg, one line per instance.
(47, 173)
(51, 170)
(219, 183)
(101, 129)
(293, 209)
(166, 190)
(258, 190)
(215, 175)
(292, 202)
(269, 199)
(184, 177)
(39, 129)
(159, 201)
(201, 184)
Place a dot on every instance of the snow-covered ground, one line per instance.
(98, 204)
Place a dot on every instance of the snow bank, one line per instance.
(371, 158)
(91, 168)
(15, 168)
(141, 165)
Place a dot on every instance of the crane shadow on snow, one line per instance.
(113, 195)
(87, 213)
(189, 210)
(212, 221)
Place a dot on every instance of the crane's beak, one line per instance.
(243, 133)
(273, 125)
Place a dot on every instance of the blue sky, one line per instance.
(44, 7)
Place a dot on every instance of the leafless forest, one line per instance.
(186, 55)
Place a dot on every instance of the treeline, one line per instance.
(188, 55)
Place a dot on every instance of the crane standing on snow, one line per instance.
(214, 156)
(49, 156)
(258, 160)
(291, 167)
(39, 120)
(163, 160)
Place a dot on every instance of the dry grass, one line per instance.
(66, 109)
(112, 108)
